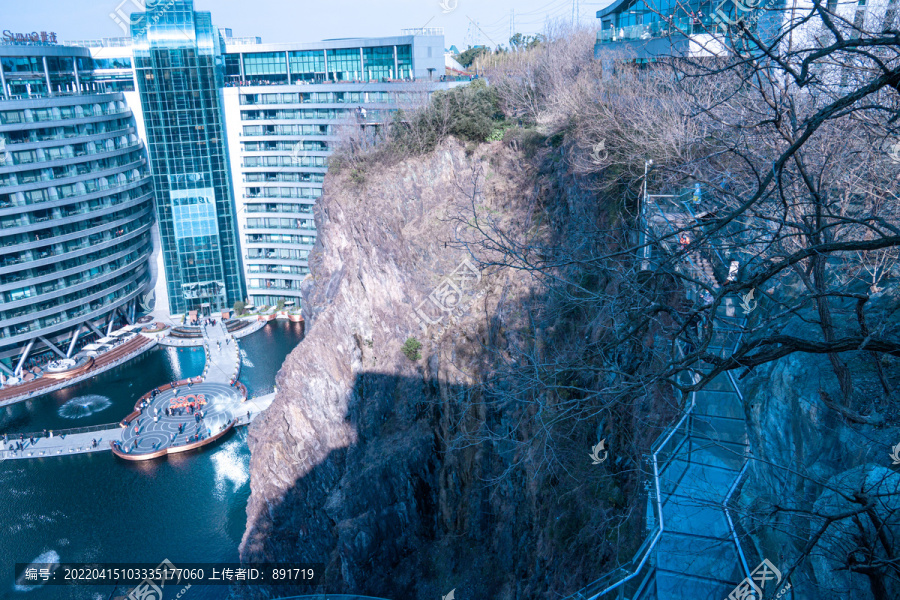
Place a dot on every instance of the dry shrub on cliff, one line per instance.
(470, 113)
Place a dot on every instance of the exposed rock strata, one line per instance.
(349, 465)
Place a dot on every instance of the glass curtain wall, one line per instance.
(179, 67)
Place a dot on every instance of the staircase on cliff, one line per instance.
(692, 551)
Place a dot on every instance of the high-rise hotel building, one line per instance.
(76, 204)
(285, 107)
(178, 68)
(238, 135)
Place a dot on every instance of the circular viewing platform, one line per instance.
(188, 414)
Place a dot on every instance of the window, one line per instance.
(379, 62)
(307, 65)
(343, 64)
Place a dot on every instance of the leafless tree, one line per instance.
(786, 136)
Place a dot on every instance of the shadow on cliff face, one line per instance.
(378, 513)
(413, 477)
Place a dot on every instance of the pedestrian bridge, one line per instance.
(693, 549)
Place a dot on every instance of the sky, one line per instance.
(311, 20)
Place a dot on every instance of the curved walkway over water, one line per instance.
(149, 432)
(104, 362)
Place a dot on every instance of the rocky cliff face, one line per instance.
(352, 465)
(812, 463)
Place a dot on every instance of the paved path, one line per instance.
(252, 408)
(169, 340)
(223, 355)
(73, 443)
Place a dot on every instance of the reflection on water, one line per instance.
(95, 508)
(46, 558)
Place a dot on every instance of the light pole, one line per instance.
(645, 249)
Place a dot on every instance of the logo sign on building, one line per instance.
(43, 37)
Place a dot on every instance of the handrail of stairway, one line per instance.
(742, 326)
(643, 553)
(623, 574)
(737, 543)
(694, 216)
(734, 535)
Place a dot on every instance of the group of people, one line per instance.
(189, 408)
(17, 445)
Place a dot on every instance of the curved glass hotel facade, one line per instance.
(75, 205)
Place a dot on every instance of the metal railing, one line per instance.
(625, 579)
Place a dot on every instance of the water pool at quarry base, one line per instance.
(96, 508)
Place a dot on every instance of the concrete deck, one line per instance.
(167, 340)
(63, 445)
